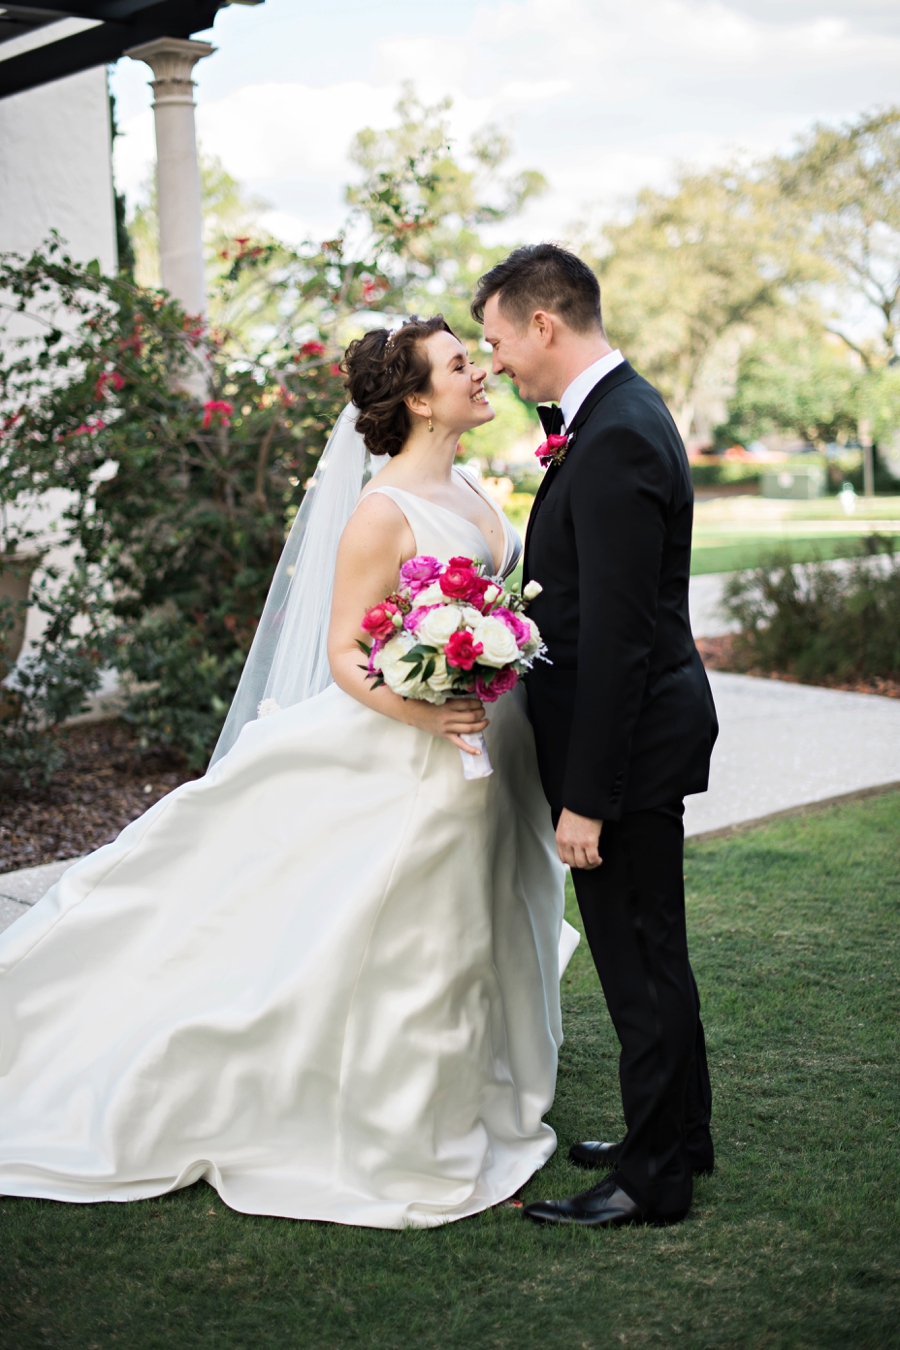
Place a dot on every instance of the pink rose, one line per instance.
(457, 583)
(505, 679)
(461, 651)
(379, 620)
(419, 573)
(520, 631)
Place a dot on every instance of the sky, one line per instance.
(603, 96)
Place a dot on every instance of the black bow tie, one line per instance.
(551, 419)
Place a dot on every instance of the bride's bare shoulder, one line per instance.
(376, 522)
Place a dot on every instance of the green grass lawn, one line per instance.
(733, 555)
(793, 1242)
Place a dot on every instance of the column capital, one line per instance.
(172, 61)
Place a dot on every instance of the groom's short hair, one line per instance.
(542, 276)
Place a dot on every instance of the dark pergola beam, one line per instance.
(106, 42)
(102, 10)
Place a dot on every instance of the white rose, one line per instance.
(432, 596)
(534, 641)
(532, 590)
(439, 625)
(492, 593)
(441, 681)
(394, 669)
(499, 645)
(471, 616)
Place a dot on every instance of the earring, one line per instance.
(430, 425)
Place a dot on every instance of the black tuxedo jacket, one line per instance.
(624, 718)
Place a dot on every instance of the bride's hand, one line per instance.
(453, 719)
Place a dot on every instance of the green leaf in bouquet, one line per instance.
(429, 669)
(362, 647)
(419, 651)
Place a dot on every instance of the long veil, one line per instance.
(288, 661)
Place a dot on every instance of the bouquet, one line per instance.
(450, 631)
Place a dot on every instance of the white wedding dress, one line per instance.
(324, 977)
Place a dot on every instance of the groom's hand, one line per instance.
(578, 840)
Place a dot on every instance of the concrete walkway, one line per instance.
(785, 745)
(780, 746)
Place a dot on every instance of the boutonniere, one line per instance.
(553, 450)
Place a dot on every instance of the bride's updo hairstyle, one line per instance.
(383, 368)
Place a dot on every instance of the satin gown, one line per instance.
(324, 977)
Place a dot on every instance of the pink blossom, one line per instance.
(519, 629)
(461, 651)
(379, 620)
(108, 377)
(312, 349)
(505, 679)
(216, 405)
(551, 446)
(419, 573)
(415, 617)
(459, 582)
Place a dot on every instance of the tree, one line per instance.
(427, 207)
(844, 182)
(689, 268)
(796, 381)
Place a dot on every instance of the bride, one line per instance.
(324, 977)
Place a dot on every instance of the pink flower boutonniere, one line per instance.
(553, 450)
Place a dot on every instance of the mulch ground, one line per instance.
(105, 783)
(723, 653)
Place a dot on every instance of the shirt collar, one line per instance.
(582, 385)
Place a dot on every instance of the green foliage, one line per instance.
(798, 384)
(428, 208)
(818, 621)
(186, 530)
(718, 473)
(689, 268)
(51, 683)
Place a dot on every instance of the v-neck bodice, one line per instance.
(442, 533)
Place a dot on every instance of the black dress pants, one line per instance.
(633, 912)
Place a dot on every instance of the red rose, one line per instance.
(379, 621)
(476, 592)
(461, 651)
(456, 583)
(312, 349)
(461, 562)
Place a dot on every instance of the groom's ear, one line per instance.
(542, 327)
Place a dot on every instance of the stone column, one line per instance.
(177, 172)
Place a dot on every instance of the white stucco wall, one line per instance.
(55, 168)
(55, 173)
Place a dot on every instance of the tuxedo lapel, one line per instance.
(539, 496)
(611, 381)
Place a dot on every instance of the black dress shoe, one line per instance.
(603, 1157)
(603, 1206)
(594, 1154)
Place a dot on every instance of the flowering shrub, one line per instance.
(176, 503)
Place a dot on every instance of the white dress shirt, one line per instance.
(582, 384)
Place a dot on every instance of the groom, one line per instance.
(624, 719)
